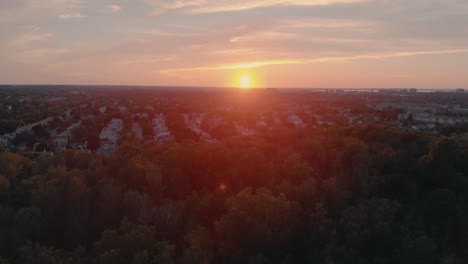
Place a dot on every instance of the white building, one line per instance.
(194, 122)
(109, 137)
(137, 130)
(112, 131)
(160, 130)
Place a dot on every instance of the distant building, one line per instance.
(103, 109)
(60, 142)
(296, 121)
(451, 110)
(194, 122)
(460, 90)
(244, 131)
(112, 131)
(3, 142)
(137, 130)
(413, 90)
(160, 130)
(106, 148)
(109, 136)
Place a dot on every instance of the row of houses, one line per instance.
(296, 121)
(137, 130)
(61, 141)
(160, 130)
(194, 122)
(109, 137)
(439, 119)
(244, 131)
(451, 110)
(6, 139)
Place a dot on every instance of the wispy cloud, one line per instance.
(258, 64)
(27, 12)
(45, 52)
(234, 52)
(164, 6)
(323, 24)
(239, 5)
(114, 8)
(216, 6)
(264, 36)
(71, 16)
(207, 36)
(162, 33)
(146, 61)
(32, 37)
(70, 9)
(40, 55)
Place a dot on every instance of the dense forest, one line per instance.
(314, 195)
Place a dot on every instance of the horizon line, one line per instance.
(227, 87)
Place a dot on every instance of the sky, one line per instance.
(217, 43)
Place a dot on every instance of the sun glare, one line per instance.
(245, 82)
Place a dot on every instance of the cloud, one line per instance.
(41, 55)
(234, 52)
(297, 23)
(161, 33)
(279, 32)
(30, 12)
(114, 8)
(216, 6)
(46, 52)
(146, 61)
(239, 5)
(265, 36)
(258, 64)
(71, 16)
(162, 6)
(32, 37)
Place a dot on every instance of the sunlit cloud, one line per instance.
(265, 36)
(258, 64)
(215, 6)
(45, 52)
(71, 16)
(41, 55)
(162, 33)
(146, 61)
(323, 24)
(114, 8)
(234, 52)
(32, 37)
(22, 12)
(71, 9)
(164, 6)
(239, 5)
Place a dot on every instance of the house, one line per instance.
(194, 122)
(106, 148)
(137, 130)
(296, 121)
(109, 136)
(60, 142)
(112, 131)
(161, 132)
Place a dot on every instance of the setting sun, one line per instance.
(245, 82)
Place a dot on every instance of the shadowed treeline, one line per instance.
(319, 195)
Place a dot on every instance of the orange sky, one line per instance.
(276, 43)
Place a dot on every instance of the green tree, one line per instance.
(129, 240)
(200, 247)
(259, 222)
